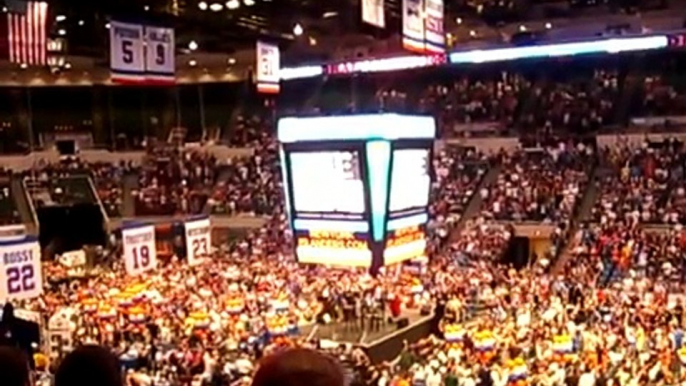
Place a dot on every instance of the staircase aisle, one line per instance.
(130, 184)
(20, 197)
(583, 214)
(474, 206)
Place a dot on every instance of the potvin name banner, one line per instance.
(198, 240)
(141, 54)
(20, 272)
(268, 65)
(423, 26)
(140, 254)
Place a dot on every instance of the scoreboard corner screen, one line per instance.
(357, 187)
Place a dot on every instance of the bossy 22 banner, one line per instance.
(20, 272)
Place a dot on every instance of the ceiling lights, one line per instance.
(249, 2)
(298, 30)
(192, 45)
(233, 4)
(216, 7)
(202, 5)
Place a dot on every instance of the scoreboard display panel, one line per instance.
(357, 187)
(406, 239)
(410, 180)
(338, 248)
(327, 182)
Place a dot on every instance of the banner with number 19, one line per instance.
(140, 254)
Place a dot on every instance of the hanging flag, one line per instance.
(141, 54)
(160, 64)
(373, 13)
(434, 38)
(26, 32)
(268, 64)
(413, 25)
(127, 52)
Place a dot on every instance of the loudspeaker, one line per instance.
(402, 323)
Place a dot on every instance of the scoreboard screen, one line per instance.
(327, 182)
(407, 240)
(340, 248)
(357, 187)
(410, 180)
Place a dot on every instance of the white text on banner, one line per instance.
(159, 59)
(127, 52)
(434, 38)
(413, 25)
(373, 13)
(140, 254)
(20, 276)
(198, 240)
(267, 68)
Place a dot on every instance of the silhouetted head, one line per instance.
(14, 367)
(8, 312)
(89, 366)
(298, 367)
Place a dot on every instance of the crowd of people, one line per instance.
(641, 183)
(611, 314)
(540, 184)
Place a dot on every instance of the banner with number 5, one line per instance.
(140, 254)
(20, 276)
(198, 240)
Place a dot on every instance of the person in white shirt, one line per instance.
(587, 378)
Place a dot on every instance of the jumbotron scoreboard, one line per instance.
(357, 187)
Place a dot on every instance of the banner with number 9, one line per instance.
(20, 273)
(140, 254)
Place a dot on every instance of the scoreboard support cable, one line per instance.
(357, 187)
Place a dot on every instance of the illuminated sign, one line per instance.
(333, 248)
(291, 73)
(384, 65)
(610, 46)
(351, 127)
(339, 193)
(327, 182)
(405, 244)
(410, 180)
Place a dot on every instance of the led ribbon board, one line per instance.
(405, 62)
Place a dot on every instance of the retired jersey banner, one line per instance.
(268, 65)
(198, 240)
(20, 272)
(140, 254)
(160, 63)
(413, 25)
(434, 38)
(141, 54)
(127, 52)
(373, 13)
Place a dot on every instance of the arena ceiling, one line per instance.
(225, 31)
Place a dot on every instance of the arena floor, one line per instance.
(340, 332)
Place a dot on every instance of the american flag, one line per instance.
(27, 32)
